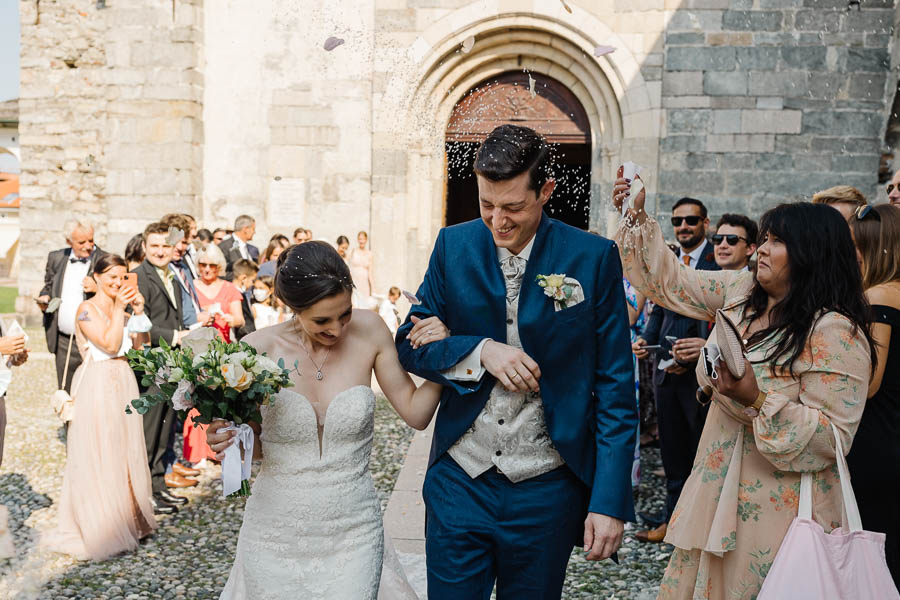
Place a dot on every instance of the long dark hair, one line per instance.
(307, 273)
(824, 277)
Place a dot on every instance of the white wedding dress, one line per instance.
(312, 526)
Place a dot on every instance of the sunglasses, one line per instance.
(731, 238)
(864, 211)
(691, 221)
(207, 265)
(890, 188)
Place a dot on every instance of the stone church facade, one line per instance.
(130, 109)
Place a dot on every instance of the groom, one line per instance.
(534, 436)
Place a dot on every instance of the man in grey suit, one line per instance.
(238, 246)
(67, 283)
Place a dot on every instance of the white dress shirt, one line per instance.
(72, 294)
(242, 247)
(695, 254)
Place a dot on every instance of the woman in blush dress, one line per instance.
(105, 507)
(360, 262)
(222, 299)
(312, 527)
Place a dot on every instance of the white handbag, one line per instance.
(61, 401)
(849, 562)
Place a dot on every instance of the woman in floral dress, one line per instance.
(806, 324)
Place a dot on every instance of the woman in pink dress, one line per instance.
(360, 262)
(105, 507)
(222, 299)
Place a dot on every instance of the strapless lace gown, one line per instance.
(312, 526)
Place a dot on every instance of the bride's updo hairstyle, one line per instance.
(307, 273)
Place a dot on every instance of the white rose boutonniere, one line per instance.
(565, 291)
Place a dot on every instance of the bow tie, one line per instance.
(79, 260)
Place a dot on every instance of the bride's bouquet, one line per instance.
(221, 381)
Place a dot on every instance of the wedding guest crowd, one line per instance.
(809, 331)
(816, 301)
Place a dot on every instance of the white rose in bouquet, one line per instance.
(264, 363)
(236, 376)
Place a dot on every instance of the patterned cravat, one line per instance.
(513, 268)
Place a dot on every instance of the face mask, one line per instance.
(260, 294)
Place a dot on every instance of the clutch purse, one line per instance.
(731, 346)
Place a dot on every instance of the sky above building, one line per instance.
(9, 49)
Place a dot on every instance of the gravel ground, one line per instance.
(191, 552)
(641, 566)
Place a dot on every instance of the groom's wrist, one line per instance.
(479, 349)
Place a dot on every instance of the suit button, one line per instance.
(500, 422)
(509, 321)
(498, 453)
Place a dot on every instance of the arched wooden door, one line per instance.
(549, 108)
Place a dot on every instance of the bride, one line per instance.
(312, 526)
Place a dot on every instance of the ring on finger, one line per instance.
(514, 375)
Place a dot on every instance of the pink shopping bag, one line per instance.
(847, 564)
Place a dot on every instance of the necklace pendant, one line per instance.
(319, 376)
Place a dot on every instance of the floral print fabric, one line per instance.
(744, 487)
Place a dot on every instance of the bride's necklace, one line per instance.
(319, 375)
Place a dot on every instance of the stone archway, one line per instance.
(411, 116)
(536, 101)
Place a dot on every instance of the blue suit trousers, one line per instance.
(489, 529)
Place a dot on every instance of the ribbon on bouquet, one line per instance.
(235, 470)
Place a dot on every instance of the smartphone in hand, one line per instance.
(130, 280)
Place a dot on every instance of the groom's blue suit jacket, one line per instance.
(584, 352)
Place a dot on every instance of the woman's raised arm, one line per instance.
(654, 270)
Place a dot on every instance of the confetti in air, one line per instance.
(531, 86)
(333, 42)
(468, 43)
(566, 6)
(601, 50)
(174, 236)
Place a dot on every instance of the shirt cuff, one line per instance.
(469, 368)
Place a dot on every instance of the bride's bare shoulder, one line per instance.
(368, 325)
(267, 339)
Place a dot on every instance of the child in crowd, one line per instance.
(264, 311)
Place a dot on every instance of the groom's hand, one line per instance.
(602, 536)
(514, 369)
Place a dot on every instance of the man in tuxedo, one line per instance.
(244, 274)
(238, 246)
(67, 278)
(163, 306)
(534, 437)
(680, 417)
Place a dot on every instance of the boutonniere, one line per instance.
(564, 291)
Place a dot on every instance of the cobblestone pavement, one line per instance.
(191, 553)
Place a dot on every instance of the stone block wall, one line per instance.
(769, 101)
(288, 123)
(110, 121)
